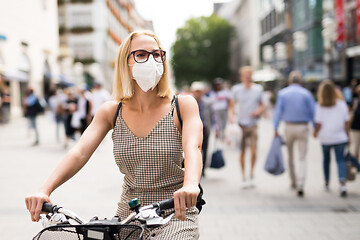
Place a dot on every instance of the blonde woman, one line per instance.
(332, 127)
(149, 139)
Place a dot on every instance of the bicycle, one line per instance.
(57, 223)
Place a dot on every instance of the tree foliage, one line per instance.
(201, 51)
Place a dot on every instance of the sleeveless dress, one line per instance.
(153, 171)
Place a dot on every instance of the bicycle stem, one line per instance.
(71, 215)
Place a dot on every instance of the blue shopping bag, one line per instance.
(274, 162)
(217, 159)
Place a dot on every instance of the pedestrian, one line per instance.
(220, 97)
(355, 125)
(198, 90)
(56, 104)
(247, 97)
(70, 107)
(332, 127)
(149, 136)
(5, 107)
(31, 110)
(295, 106)
(84, 109)
(268, 97)
(349, 92)
(99, 96)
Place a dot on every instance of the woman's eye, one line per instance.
(140, 55)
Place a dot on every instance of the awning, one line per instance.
(266, 75)
(64, 83)
(16, 75)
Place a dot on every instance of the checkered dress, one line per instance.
(153, 172)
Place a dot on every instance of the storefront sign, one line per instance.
(340, 21)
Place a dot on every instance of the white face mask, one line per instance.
(147, 74)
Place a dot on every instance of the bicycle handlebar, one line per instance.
(48, 207)
(166, 204)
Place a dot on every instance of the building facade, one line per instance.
(92, 30)
(307, 18)
(242, 14)
(352, 47)
(28, 48)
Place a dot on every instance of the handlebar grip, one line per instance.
(48, 207)
(166, 204)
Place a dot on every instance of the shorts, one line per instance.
(249, 136)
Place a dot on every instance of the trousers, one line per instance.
(299, 134)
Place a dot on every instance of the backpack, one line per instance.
(39, 106)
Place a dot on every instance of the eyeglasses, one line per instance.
(141, 55)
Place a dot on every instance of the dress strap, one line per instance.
(116, 114)
(178, 110)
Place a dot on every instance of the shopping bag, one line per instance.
(217, 159)
(76, 120)
(274, 163)
(233, 135)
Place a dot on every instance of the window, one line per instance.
(83, 50)
(81, 19)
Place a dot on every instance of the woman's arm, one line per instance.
(75, 159)
(192, 131)
(317, 129)
(347, 130)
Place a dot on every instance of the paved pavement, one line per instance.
(269, 211)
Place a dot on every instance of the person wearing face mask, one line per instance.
(149, 136)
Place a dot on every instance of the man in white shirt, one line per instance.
(99, 96)
(247, 97)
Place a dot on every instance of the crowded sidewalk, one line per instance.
(270, 210)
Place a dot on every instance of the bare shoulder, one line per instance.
(107, 111)
(187, 103)
(187, 100)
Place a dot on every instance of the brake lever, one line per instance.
(52, 220)
(152, 218)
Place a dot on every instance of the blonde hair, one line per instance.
(123, 88)
(245, 69)
(327, 94)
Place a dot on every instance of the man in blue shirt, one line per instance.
(31, 111)
(295, 106)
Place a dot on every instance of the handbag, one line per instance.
(352, 166)
(217, 159)
(274, 163)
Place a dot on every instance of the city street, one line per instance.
(270, 210)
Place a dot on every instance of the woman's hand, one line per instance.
(34, 204)
(185, 197)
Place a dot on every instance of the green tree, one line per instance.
(202, 50)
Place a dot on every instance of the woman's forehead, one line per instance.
(143, 42)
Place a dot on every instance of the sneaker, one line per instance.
(300, 193)
(343, 192)
(326, 188)
(251, 182)
(244, 184)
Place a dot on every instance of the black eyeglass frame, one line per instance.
(162, 55)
